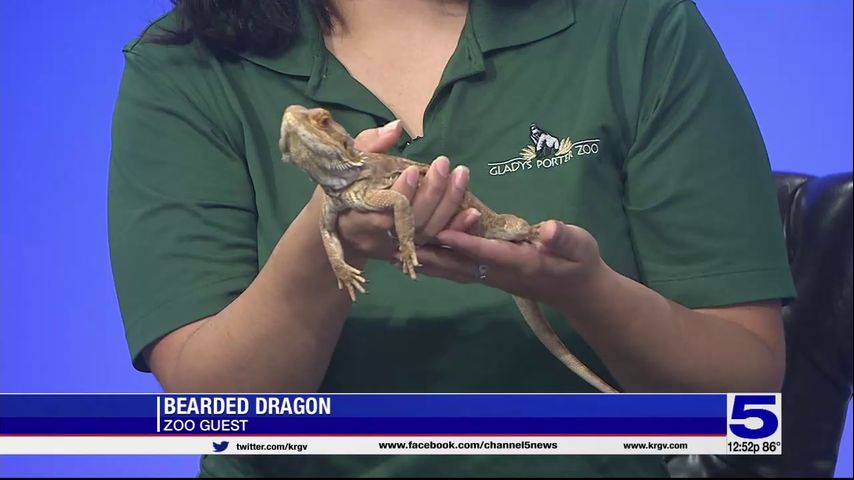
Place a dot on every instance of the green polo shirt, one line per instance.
(622, 117)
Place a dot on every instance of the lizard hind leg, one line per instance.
(348, 276)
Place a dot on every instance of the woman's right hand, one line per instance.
(435, 203)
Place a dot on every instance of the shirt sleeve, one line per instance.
(699, 192)
(182, 218)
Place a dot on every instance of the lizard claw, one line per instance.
(350, 278)
(408, 261)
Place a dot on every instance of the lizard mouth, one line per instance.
(338, 176)
(338, 167)
(342, 166)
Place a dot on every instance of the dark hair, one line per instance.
(232, 27)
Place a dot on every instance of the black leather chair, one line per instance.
(817, 217)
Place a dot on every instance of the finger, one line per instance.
(550, 240)
(449, 204)
(379, 139)
(442, 263)
(483, 250)
(567, 241)
(368, 233)
(407, 182)
(464, 220)
(522, 259)
(430, 191)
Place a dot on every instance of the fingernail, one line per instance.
(474, 213)
(461, 177)
(557, 235)
(412, 177)
(389, 127)
(443, 166)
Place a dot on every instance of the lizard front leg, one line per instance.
(347, 275)
(404, 224)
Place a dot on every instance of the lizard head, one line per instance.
(316, 143)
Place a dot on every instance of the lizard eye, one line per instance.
(323, 121)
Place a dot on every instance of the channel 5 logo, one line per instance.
(754, 416)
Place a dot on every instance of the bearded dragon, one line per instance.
(353, 179)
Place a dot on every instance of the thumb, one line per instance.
(567, 241)
(379, 139)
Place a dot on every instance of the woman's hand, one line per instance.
(649, 343)
(435, 203)
(562, 266)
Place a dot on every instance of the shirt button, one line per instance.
(409, 142)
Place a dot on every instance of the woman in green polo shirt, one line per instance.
(620, 120)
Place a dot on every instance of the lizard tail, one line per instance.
(544, 331)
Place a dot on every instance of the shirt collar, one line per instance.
(300, 58)
(509, 23)
(496, 24)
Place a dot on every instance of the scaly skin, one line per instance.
(358, 180)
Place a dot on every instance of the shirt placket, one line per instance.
(330, 83)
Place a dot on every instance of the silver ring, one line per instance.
(482, 270)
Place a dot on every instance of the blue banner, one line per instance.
(363, 414)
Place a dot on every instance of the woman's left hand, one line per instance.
(559, 269)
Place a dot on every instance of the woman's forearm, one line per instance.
(278, 335)
(650, 343)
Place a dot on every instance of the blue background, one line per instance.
(60, 64)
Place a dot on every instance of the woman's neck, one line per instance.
(367, 18)
(398, 49)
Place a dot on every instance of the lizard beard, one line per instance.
(338, 178)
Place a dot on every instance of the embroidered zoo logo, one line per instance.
(545, 151)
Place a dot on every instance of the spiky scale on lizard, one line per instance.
(358, 180)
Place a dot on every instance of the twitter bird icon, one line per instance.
(220, 447)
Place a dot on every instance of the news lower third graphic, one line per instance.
(317, 424)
